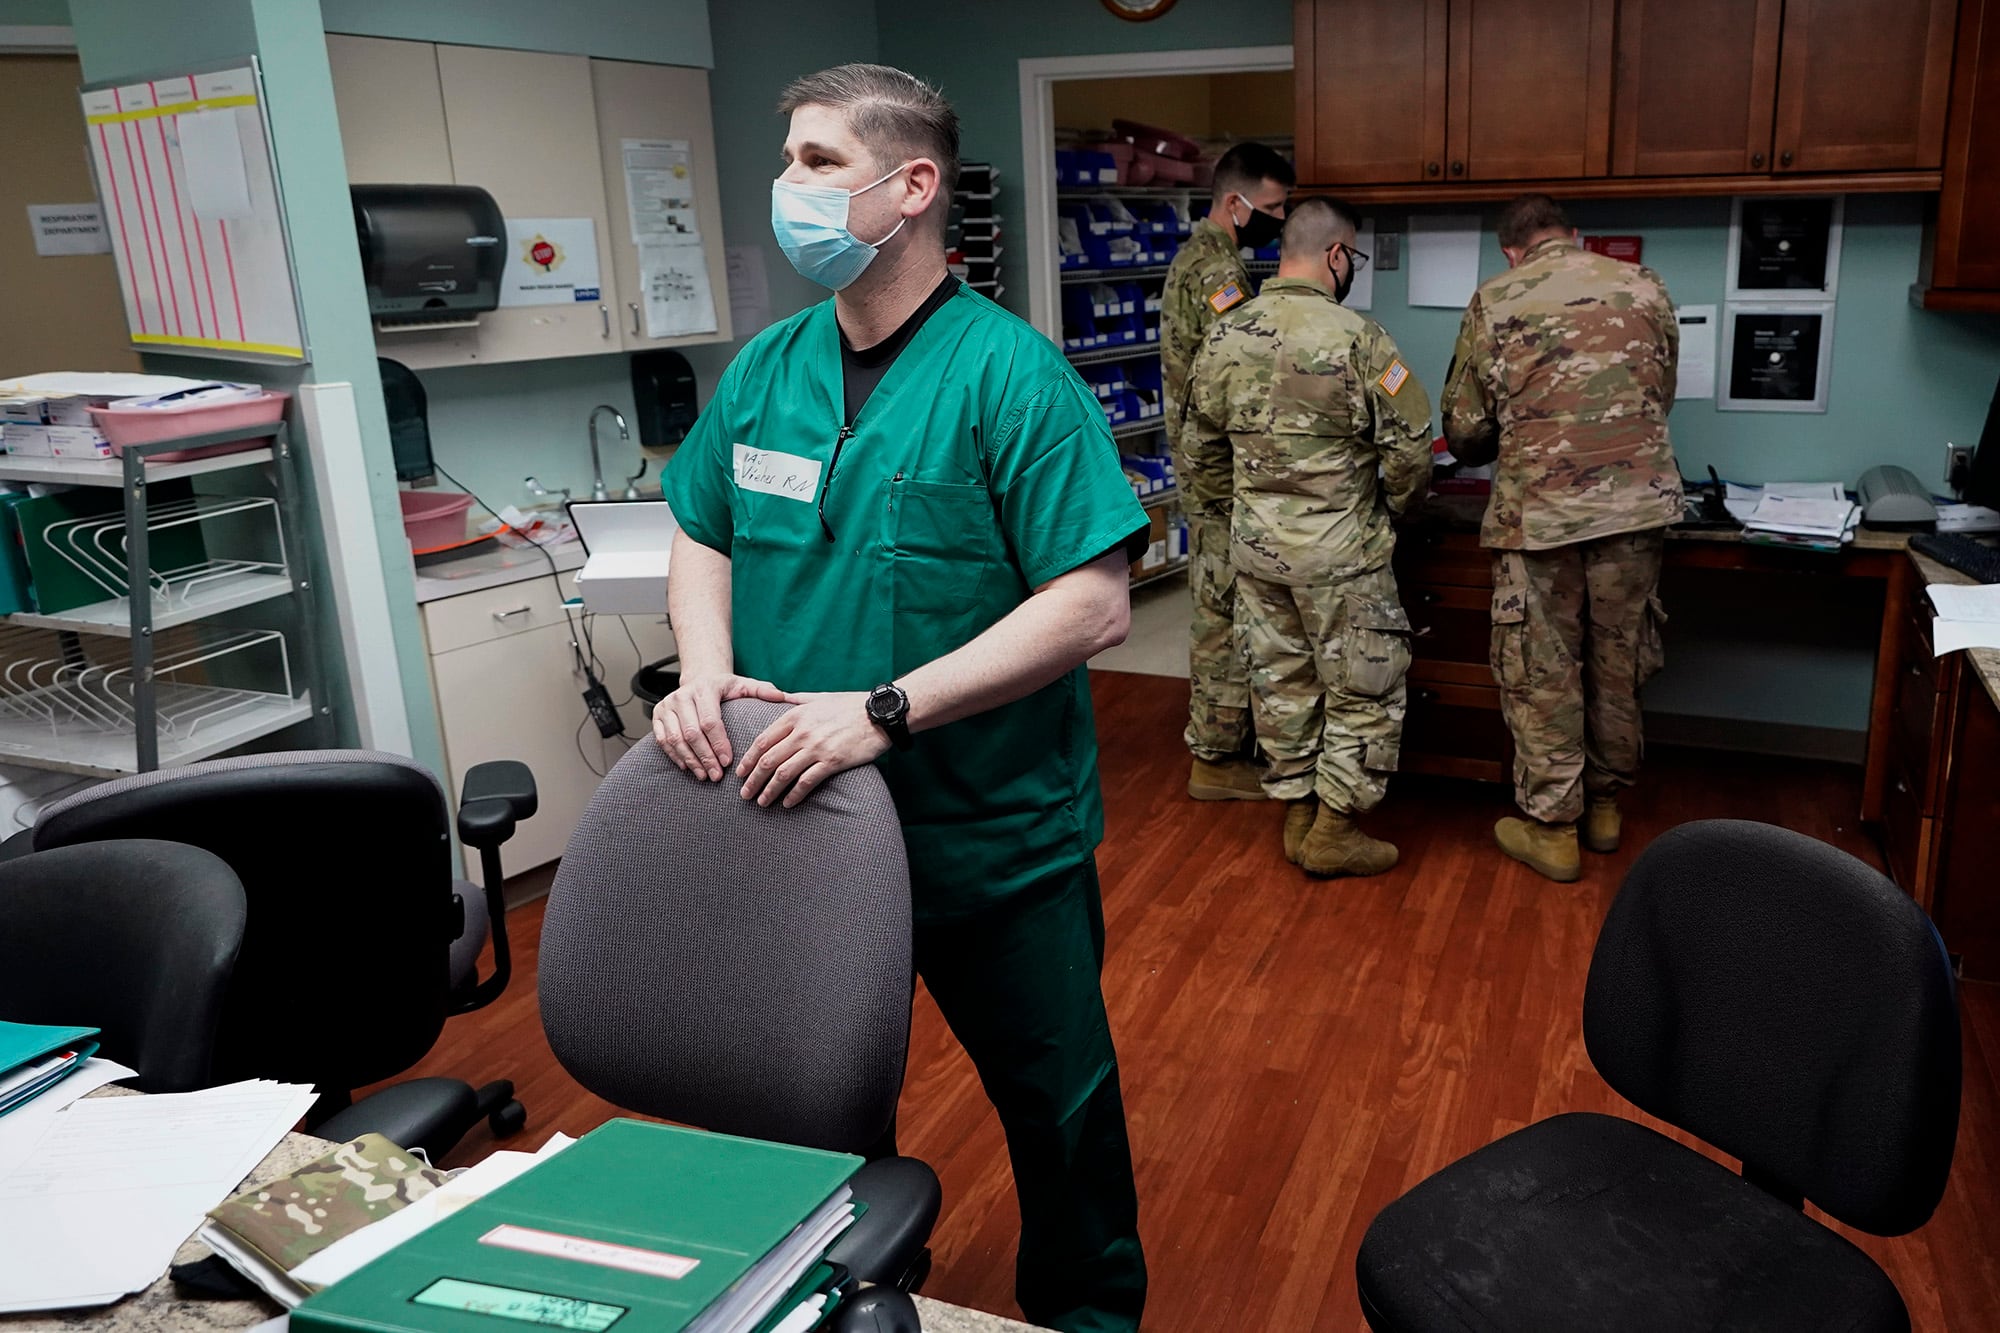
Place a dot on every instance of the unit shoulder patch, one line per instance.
(1223, 298)
(1393, 379)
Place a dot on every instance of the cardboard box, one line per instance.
(1154, 558)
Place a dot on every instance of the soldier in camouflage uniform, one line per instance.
(1564, 372)
(1302, 399)
(1207, 279)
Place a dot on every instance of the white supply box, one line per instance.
(628, 545)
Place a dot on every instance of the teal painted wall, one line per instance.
(125, 38)
(34, 13)
(658, 32)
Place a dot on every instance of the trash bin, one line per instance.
(655, 681)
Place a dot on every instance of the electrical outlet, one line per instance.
(1957, 464)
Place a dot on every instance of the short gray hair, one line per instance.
(895, 115)
(1315, 225)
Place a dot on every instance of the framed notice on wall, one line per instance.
(1784, 249)
(1775, 357)
(191, 208)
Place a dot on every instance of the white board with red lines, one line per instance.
(191, 206)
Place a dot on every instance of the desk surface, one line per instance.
(159, 1310)
(1984, 662)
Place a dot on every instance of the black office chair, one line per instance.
(747, 970)
(359, 942)
(133, 937)
(1781, 1000)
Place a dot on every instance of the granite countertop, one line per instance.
(1464, 512)
(1983, 662)
(495, 568)
(158, 1309)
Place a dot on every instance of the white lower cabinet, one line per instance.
(506, 686)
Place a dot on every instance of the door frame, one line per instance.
(1038, 164)
(33, 39)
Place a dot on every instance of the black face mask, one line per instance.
(1259, 229)
(1341, 286)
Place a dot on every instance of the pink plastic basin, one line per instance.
(143, 425)
(433, 519)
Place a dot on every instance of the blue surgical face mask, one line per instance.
(810, 222)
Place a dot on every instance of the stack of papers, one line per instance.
(107, 1190)
(1968, 616)
(1814, 515)
(34, 1058)
(1967, 518)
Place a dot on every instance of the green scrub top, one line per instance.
(980, 468)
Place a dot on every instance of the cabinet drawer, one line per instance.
(1457, 731)
(496, 613)
(1455, 558)
(1906, 833)
(1450, 623)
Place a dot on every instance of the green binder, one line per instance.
(639, 1226)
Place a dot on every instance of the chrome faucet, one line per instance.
(597, 491)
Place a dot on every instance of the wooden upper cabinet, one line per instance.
(1370, 89)
(1695, 87)
(1962, 251)
(1862, 84)
(1530, 89)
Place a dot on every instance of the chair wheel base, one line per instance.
(509, 1120)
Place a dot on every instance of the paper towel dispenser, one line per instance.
(431, 255)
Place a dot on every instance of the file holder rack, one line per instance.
(69, 701)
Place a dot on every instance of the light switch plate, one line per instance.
(1388, 250)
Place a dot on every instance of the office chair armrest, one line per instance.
(505, 782)
(886, 1245)
(497, 796)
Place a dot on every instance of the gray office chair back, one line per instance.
(739, 968)
(134, 937)
(1792, 1007)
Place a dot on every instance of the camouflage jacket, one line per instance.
(1301, 399)
(1206, 278)
(1565, 363)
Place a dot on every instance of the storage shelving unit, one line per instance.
(74, 699)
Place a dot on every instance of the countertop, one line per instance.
(158, 1309)
(1984, 662)
(496, 568)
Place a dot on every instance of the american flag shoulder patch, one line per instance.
(1392, 378)
(1225, 296)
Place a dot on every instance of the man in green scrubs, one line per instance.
(904, 512)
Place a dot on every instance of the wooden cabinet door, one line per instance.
(1696, 87)
(523, 126)
(391, 109)
(1530, 89)
(657, 102)
(1966, 905)
(1369, 80)
(1965, 245)
(1862, 84)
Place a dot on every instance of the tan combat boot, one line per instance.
(1601, 824)
(1298, 823)
(1548, 849)
(1334, 846)
(1233, 780)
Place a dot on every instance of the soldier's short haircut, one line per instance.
(1313, 226)
(897, 116)
(1248, 165)
(1527, 216)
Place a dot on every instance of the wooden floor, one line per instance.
(1295, 1054)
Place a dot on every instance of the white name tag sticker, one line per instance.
(653, 1263)
(773, 473)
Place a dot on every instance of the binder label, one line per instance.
(528, 1307)
(653, 1263)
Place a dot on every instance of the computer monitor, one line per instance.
(1982, 483)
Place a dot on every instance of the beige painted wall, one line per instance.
(1240, 106)
(63, 311)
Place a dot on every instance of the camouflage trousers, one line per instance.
(1576, 632)
(1219, 688)
(1326, 685)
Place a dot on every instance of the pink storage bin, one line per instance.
(135, 425)
(432, 520)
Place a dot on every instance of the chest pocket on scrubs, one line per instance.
(944, 546)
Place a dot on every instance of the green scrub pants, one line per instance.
(1018, 983)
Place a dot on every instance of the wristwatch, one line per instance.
(889, 709)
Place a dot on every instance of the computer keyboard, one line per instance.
(1968, 557)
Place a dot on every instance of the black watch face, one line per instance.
(883, 703)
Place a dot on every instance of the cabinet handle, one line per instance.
(1427, 696)
(604, 313)
(1757, 161)
(1916, 668)
(1431, 169)
(1902, 787)
(635, 317)
(1458, 168)
(504, 616)
(1428, 598)
(1785, 158)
